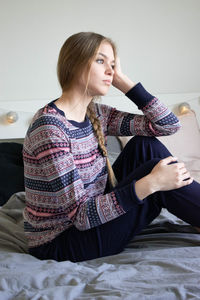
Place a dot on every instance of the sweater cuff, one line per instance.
(139, 95)
(127, 197)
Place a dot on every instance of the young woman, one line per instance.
(78, 207)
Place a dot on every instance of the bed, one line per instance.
(163, 262)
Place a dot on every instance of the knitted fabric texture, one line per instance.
(66, 174)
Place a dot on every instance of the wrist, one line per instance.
(145, 187)
(153, 183)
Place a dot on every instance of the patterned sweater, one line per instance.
(66, 174)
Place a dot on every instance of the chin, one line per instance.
(103, 92)
(99, 92)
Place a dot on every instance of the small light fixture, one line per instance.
(12, 117)
(184, 108)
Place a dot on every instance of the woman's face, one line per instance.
(101, 71)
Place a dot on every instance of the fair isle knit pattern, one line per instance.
(66, 174)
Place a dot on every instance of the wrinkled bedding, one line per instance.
(163, 262)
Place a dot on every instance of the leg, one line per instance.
(183, 202)
(138, 151)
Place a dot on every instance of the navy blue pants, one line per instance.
(137, 159)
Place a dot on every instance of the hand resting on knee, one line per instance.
(167, 175)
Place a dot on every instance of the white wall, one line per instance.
(158, 42)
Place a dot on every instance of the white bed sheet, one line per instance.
(161, 263)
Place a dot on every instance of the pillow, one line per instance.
(11, 170)
(185, 144)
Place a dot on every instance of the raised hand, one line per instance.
(120, 80)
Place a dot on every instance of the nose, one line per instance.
(109, 70)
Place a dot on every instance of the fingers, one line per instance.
(181, 171)
(181, 175)
(171, 159)
(187, 181)
(185, 174)
(180, 182)
(168, 160)
(117, 64)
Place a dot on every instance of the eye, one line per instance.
(113, 67)
(100, 61)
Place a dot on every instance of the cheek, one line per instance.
(94, 79)
(94, 74)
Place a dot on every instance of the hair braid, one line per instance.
(101, 141)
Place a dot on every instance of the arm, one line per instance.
(176, 173)
(157, 120)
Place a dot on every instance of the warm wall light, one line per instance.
(12, 117)
(184, 108)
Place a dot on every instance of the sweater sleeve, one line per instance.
(58, 190)
(156, 120)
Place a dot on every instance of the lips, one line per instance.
(107, 82)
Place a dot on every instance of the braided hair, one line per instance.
(101, 141)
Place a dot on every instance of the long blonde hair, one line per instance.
(76, 56)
